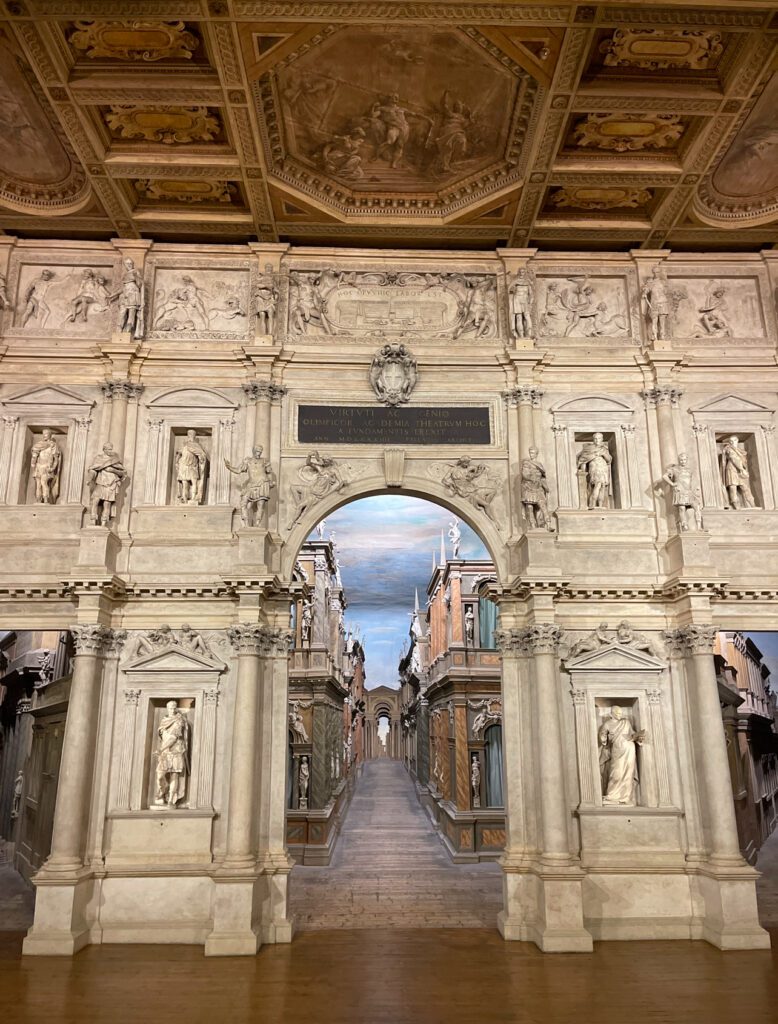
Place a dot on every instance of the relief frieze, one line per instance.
(200, 299)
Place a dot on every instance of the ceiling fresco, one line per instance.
(468, 126)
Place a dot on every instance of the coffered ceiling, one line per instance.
(435, 124)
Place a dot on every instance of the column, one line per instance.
(564, 469)
(248, 641)
(71, 814)
(10, 424)
(127, 749)
(75, 484)
(153, 453)
(712, 490)
(462, 758)
(262, 397)
(119, 393)
(696, 645)
(543, 642)
(423, 741)
(630, 481)
(204, 790)
(583, 741)
(664, 399)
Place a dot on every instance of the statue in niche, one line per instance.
(17, 794)
(593, 642)
(45, 466)
(306, 620)
(656, 296)
(521, 293)
(475, 780)
(191, 466)
(302, 783)
(735, 474)
(265, 301)
(455, 536)
(618, 758)
(470, 626)
(687, 500)
(92, 294)
(35, 307)
(5, 302)
(534, 491)
(296, 723)
(319, 477)
(172, 756)
(713, 319)
(594, 465)
(255, 489)
(106, 475)
(130, 299)
(472, 481)
(630, 637)
(190, 640)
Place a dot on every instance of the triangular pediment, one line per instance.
(173, 659)
(616, 657)
(732, 403)
(49, 394)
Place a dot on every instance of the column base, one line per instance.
(731, 919)
(545, 906)
(62, 923)
(277, 926)
(98, 548)
(236, 912)
(254, 548)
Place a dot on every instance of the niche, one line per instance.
(614, 759)
(33, 436)
(188, 475)
(748, 449)
(611, 492)
(179, 752)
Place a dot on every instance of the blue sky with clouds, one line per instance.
(385, 546)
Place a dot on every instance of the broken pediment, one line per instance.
(616, 657)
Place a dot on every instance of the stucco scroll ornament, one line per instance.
(105, 478)
(167, 124)
(474, 482)
(255, 489)
(489, 712)
(393, 374)
(320, 476)
(146, 41)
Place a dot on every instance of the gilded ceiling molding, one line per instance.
(135, 40)
(654, 49)
(162, 190)
(168, 124)
(608, 197)
(625, 132)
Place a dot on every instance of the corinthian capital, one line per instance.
(259, 640)
(510, 641)
(97, 639)
(691, 639)
(544, 638)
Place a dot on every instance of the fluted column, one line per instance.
(119, 393)
(274, 739)
(75, 484)
(71, 814)
(695, 643)
(250, 642)
(10, 423)
(542, 642)
(664, 399)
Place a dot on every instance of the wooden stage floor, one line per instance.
(423, 976)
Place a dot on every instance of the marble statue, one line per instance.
(320, 526)
(630, 637)
(656, 296)
(521, 293)
(686, 497)
(618, 758)
(265, 301)
(191, 467)
(172, 756)
(46, 466)
(475, 780)
(130, 299)
(306, 619)
(472, 481)
(592, 642)
(155, 640)
(594, 463)
(17, 794)
(92, 294)
(393, 374)
(470, 626)
(255, 489)
(534, 491)
(735, 474)
(45, 669)
(302, 783)
(486, 716)
(455, 536)
(297, 725)
(190, 640)
(106, 475)
(319, 477)
(35, 307)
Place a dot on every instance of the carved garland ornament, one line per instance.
(393, 374)
(134, 40)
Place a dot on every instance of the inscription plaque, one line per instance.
(354, 424)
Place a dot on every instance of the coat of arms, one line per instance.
(393, 374)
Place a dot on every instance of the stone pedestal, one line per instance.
(254, 547)
(687, 554)
(237, 908)
(98, 548)
(544, 907)
(538, 553)
(731, 914)
(62, 915)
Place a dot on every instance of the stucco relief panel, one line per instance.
(578, 304)
(199, 298)
(61, 296)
